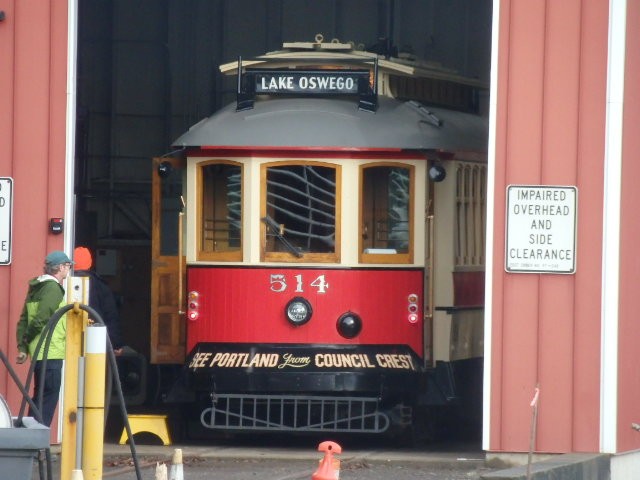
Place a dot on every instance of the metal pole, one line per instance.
(534, 421)
(430, 286)
(93, 431)
(79, 429)
(77, 291)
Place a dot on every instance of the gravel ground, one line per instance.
(201, 468)
(288, 458)
(247, 469)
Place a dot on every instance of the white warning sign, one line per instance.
(541, 229)
(6, 203)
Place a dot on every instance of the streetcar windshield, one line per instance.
(300, 206)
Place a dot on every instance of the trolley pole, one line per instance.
(94, 389)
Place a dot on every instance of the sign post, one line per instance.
(6, 209)
(541, 229)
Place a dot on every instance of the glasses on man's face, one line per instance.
(68, 265)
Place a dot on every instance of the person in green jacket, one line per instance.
(44, 297)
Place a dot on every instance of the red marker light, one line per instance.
(193, 306)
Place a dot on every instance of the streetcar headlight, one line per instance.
(349, 325)
(298, 311)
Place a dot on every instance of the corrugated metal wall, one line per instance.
(629, 324)
(33, 82)
(148, 71)
(546, 328)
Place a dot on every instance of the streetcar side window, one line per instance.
(386, 224)
(220, 215)
(300, 210)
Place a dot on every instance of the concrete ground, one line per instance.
(248, 461)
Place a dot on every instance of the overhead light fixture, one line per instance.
(165, 169)
(437, 172)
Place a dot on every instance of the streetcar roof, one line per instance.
(337, 123)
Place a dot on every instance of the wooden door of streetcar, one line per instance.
(167, 262)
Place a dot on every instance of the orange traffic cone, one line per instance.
(329, 468)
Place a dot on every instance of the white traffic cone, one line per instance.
(161, 471)
(77, 475)
(176, 472)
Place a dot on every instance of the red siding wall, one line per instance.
(33, 82)
(629, 323)
(550, 123)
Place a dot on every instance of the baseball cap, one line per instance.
(82, 258)
(57, 258)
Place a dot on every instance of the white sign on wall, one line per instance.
(6, 204)
(541, 229)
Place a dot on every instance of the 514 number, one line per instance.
(279, 283)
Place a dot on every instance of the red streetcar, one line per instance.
(305, 251)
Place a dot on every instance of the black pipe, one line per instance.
(36, 409)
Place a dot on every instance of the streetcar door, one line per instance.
(167, 262)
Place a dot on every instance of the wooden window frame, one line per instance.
(386, 258)
(229, 256)
(286, 257)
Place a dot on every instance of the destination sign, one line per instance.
(317, 82)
